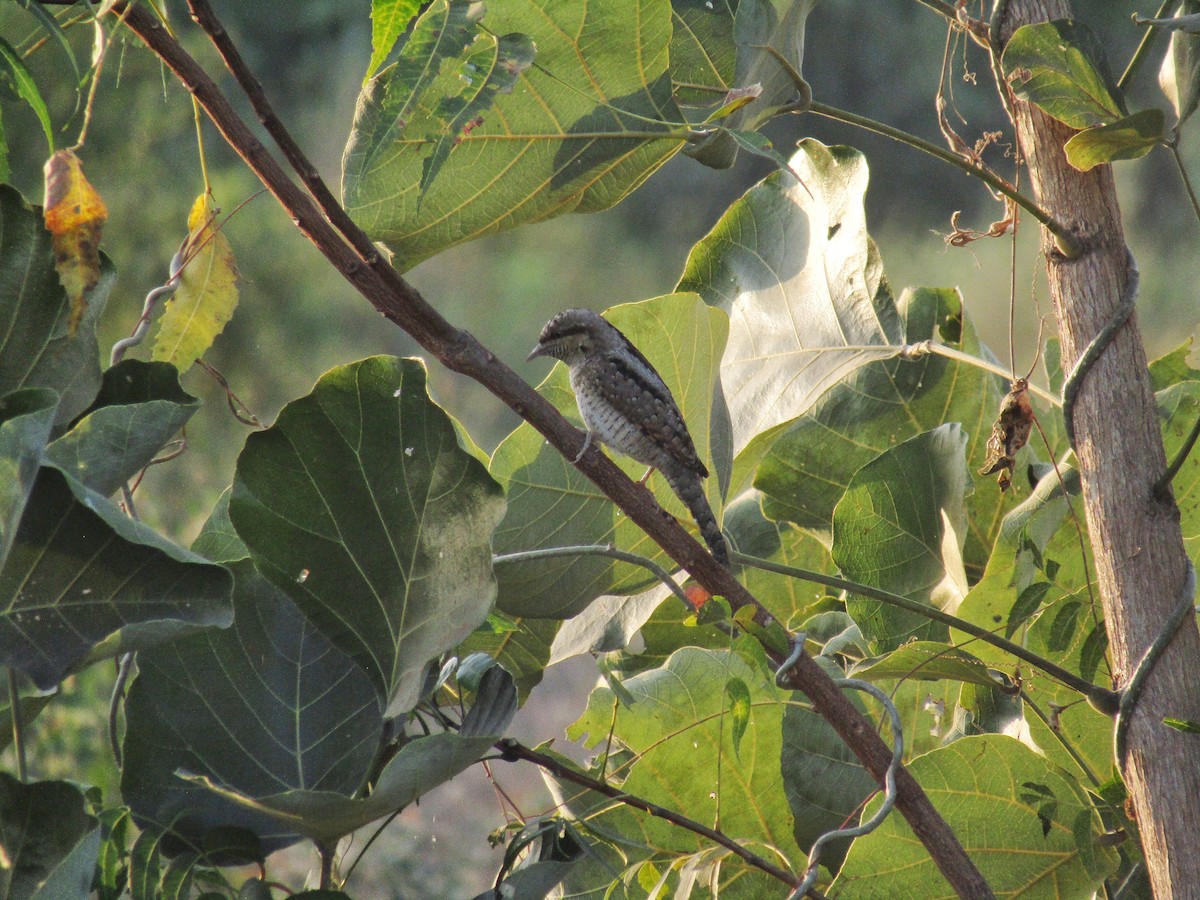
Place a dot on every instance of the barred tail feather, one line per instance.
(688, 487)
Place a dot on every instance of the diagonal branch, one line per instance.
(460, 352)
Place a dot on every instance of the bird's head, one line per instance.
(575, 334)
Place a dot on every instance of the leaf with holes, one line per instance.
(363, 505)
(581, 128)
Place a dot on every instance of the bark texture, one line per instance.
(1136, 538)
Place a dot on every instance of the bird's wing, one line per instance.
(639, 394)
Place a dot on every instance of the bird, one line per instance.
(625, 404)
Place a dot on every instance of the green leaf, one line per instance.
(45, 835)
(677, 725)
(823, 780)
(806, 471)
(523, 651)
(900, 527)
(703, 54)
(27, 89)
(1173, 367)
(585, 126)
(793, 266)
(1179, 76)
(550, 503)
(81, 571)
(737, 700)
(140, 407)
(1130, 137)
(55, 30)
(361, 504)
(1029, 601)
(266, 705)
(1185, 725)
(26, 417)
(389, 20)
(420, 765)
(976, 784)
(926, 661)
(36, 349)
(1060, 66)
(778, 24)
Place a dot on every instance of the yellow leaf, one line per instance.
(207, 294)
(75, 216)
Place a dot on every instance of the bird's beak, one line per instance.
(537, 351)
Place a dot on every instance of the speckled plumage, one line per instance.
(625, 404)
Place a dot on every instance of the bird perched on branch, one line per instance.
(625, 404)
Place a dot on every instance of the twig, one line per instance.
(18, 727)
(511, 750)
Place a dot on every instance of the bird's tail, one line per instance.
(688, 487)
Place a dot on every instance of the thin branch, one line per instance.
(18, 727)
(460, 352)
(1173, 146)
(512, 750)
(1149, 39)
(1099, 696)
(1066, 241)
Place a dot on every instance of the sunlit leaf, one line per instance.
(1060, 66)
(27, 89)
(1179, 76)
(389, 19)
(1130, 137)
(583, 127)
(977, 784)
(207, 293)
(75, 216)
(901, 527)
(363, 506)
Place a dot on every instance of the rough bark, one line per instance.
(1136, 538)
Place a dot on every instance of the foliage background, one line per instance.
(297, 318)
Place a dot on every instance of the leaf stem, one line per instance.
(1068, 244)
(512, 750)
(1173, 146)
(18, 727)
(1099, 695)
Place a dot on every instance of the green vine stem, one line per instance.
(1149, 39)
(18, 729)
(1100, 697)
(1173, 146)
(1065, 240)
(609, 550)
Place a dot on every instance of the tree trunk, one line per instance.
(1136, 538)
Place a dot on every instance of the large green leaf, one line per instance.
(420, 765)
(584, 126)
(778, 24)
(679, 722)
(808, 469)
(1060, 66)
(389, 19)
(26, 417)
(900, 527)
(41, 826)
(703, 52)
(140, 407)
(265, 706)
(81, 571)
(550, 503)
(793, 266)
(363, 506)
(1030, 830)
(1179, 76)
(35, 347)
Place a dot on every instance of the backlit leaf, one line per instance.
(207, 293)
